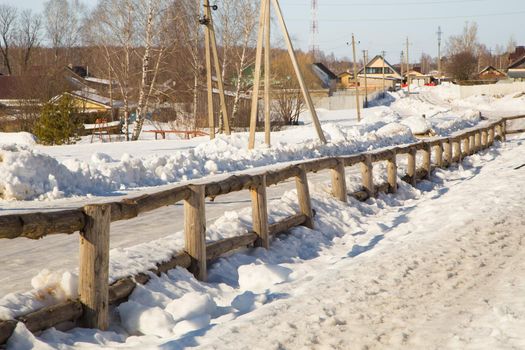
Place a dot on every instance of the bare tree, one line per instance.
(63, 23)
(237, 20)
(467, 41)
(462, 66)
(8, 15)
(28, 35)
(426, 63)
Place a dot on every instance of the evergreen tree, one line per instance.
(58, 124)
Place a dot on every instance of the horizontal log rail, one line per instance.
(91, 218)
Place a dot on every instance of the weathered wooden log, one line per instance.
(477, 141)
(391, 168)
(499, 132)
(514, 117)
(216, 249)
(39, 225)
(182, 259)
(303, 196)
(427, 160)
(484, 138)
(438, 154)
(195, 231)
(314, 166)
(287, 224)
(504, 129)
(472, 144)
(492, 135)
(466, 147)
(93, 287)
(411, 166)
(260, 214)
(68, 311)
(367, 175)
(352, 160)
(339, 182)
(516, 131)
(275, 177)
(383, 155)
(6, 330)
(447, 152)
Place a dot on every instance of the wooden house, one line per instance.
(516, 70)
(490, 73)
(346, 80)
(374, 74)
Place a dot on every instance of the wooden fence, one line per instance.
(93, 221)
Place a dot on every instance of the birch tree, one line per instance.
(237, 23)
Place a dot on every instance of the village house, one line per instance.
(346, 80)
(490, 73)
(516, 69)
(374, 74)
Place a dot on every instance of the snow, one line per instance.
(388, 273)
(437, 266)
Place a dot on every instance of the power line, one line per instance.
(401, 19)
(395, 4)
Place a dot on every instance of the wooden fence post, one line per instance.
(504, 130)
(260, 214)
(438, 154)
(457, 152)
(447, 148)
(195, 230)
(472, 144)
(339, 182)
(93, 287)
(466, 146)
(492, 132)
(484, 139)
(477, 141)
(411, 167)
(303, 195)
(391, 167)
(367, 174)
(427, 160)
(499, 131)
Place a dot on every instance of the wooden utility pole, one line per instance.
(365, 60)
(408, 69)
(383, 71)
(209, 81)
(439, 33)
(356, 81)
(211, 49)
(267, 78)
(264, 27)
(257, 77)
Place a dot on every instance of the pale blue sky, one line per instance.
(385, 24)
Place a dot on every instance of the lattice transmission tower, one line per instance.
(314, 31)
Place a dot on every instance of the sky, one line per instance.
(384, 25)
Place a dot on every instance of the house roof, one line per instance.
(326, 70)
(92, 97)
(490, 68)
(519, 62)
(344, 73)
(377, 57)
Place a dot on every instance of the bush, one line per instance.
(58, 124)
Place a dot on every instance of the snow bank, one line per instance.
(26, 174)
(17, 138)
